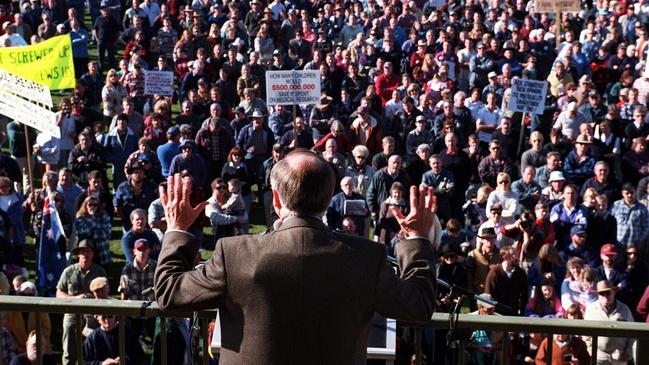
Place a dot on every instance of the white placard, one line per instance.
(159, 82)
(25, 88)
(561, 6)
(44, 121)
(292, 87)
(528, 96)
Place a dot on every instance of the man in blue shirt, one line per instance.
(69, 189)
(190, 161)
(169, 150)
(632, 218)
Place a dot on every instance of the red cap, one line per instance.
(142, 242)
(608, 250)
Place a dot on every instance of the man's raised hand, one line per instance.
(423, 205)
(179, 212)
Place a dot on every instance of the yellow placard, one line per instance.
(48, 63)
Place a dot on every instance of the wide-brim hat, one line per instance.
(487, 233)
(324, 101)
(604, 286)
(84, 243)
(484, 304)
(584, 139)
(446, 249)
(98, 283)
(556, 176)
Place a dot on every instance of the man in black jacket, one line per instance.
(105, 34)
(101, 347)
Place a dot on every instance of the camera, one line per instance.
(567, 357)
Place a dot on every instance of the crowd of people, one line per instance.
(545, 213)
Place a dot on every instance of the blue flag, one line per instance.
(50, 261)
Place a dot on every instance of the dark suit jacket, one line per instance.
(302, 294)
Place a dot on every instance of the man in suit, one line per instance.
(301, 291)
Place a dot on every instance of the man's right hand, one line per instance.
(179, 212)
(423, 206)
(110, 361)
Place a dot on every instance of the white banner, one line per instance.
(561, 6)
(29, 114)
(528, 96)
(159, 82)
(25, 88)
(292, 87)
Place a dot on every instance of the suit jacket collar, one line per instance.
(309, 222)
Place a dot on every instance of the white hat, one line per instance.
(556, 176)
(485, 304)
(572, 106)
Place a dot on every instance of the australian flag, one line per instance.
(50, 262)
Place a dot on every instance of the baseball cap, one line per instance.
(628, 187)
(497, 207)
(608, 250)
(173, 130)
(136, 165)
(578, 230)
(141, 243)
(186, 143)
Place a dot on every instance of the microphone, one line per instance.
(502, 307)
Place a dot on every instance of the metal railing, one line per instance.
(128, 308)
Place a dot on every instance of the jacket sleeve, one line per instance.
(177, 286)
(412, 295)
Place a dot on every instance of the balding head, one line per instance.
(303, 182)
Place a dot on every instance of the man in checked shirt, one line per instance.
(136, 277)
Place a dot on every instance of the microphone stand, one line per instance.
(456, 297)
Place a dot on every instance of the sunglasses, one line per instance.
(93, 204)
(220, 187)
(504, 182)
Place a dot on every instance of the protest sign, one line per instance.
(528, 96)
(48, 63)
(158, 82)
(28, 113)
(292, 87)
(552, 6)
(25, 88)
